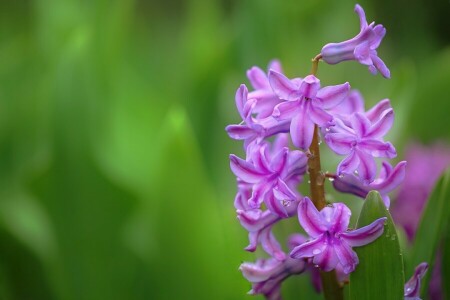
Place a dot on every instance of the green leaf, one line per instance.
(446, 263)
(432, 227)
(380, 273)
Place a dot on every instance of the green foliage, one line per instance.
(433, 228)
(380, 273)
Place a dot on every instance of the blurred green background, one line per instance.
(114, 177)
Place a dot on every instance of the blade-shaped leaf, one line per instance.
(379, 274)
(432, 228)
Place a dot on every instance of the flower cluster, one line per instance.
(281, 118)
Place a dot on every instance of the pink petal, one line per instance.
(379, 33)
(378, 148)
(362, 54)
(296, 239)
(394, 179)
(381, 66)
(271, 245)
(349, 164)
(261, 272)
(258, 78)
(340, 143)
(286, 110)
(310, 218)
(362, 16)
(347, 257)
(275, 65)
(367, 167)
(280, 161)
(340, 217)
(309, 86)
(318, 115)
(364, 235)
(282, 86)
(309, 249)
(275, 205)
(375, 113)
(327, 259)
(360, 124)
(241, 99)
(333, 95)
(244, 170)
(240, 132)
(302, 129)
(382, 126)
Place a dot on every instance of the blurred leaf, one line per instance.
(380, 273)
(432, 228)
(445, 265)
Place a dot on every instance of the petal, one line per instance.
(282, 86)
(340, 217)
(286, 110)
(379, 33)
(376, 112)
(333, 95)
(280, 161)
(275, 205)
(381, 66)
(309, 87)
(282, 192)
(244, 170)
(258, 78)
(382, 126)
(362, 16)
(297, 163)
(318, 115)
(367, 167)
(261, 272)
(412, 287)
(310, 248)
(295, 240)
(377, 148)
(360, 124)
(310, 218)
(340, 143)
(240, 99)
(275, 65)
(271, 245)
(327, 259)
(394, 179)
(351, 184)
(349, 164)
(362, 54)
(364, 235)
(258, 193)
(240, 132)
(302, 129)
(347, 257)
(260, 158)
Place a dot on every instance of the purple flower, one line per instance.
(266, 275)
(412, 287)
(331, 243)
(361, 48)
(388, 180)
(305, 104)
(252, 129)
(361, 142)
(270, 175)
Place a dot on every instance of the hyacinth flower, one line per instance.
(361, 48)
(331, 244)
(266, 275)
(252, 129)
(388, 180)
(259, 224)
(412, 287)
(360, 143)
(305, 104)
(270, 174)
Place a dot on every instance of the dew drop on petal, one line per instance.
(316, 251)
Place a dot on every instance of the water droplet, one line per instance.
(331, 179)
(393, 237)
(316, 251)
(341, 176)
(327, 129)
(356, 172)
(309, 181)
(409, 289)
(316, 266)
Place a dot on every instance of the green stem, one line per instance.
(331, 288)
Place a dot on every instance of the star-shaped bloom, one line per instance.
(412, 287)
(305, 104)
(361, 142)
(253, 129)
(267, 275)
(361, 48)
(388, 180)
(331, 244)
(270, 175)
